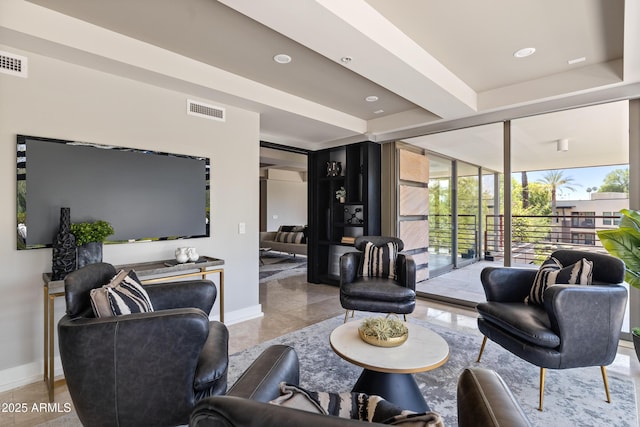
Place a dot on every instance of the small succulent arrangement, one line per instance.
(383, 328)
(87, 232)
(341, 193)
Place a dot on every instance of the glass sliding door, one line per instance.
(440, 218)
(468, 215)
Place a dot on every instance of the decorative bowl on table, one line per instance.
(383, 331)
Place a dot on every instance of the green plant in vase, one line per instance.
(341, 194)
(624, 243)
(89, 239)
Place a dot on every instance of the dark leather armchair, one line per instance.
(377, 294)
(146, 368)
(577, 326)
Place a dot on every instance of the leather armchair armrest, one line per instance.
(261, 381)
(586, 314)
(349, 264)
(213, 362)
(485, 400)
(232, 411)
(406, 270)
(507, 284)
(199, 294)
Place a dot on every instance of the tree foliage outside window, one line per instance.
(616, 181)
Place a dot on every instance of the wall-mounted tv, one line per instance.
(144, 195)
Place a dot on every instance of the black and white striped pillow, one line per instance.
(122, 295)
(379, 261)
(551, 273)
(353, 405)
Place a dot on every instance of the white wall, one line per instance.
(65, 101)
(286, 199)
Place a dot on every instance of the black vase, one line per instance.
(89, 253)
(636, 344)
(64, 248)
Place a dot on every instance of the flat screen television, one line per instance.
(145, 195)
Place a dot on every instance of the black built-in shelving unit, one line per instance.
(329, 219)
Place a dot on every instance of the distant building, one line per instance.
(578, 219)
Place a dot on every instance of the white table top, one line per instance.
(424, 350)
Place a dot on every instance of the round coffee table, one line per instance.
(388, 370)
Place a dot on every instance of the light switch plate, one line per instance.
(242, 228)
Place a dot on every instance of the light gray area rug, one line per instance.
(573, 397)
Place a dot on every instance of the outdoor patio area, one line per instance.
(460, 286)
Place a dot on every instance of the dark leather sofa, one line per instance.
(483, 399)
(144, 369)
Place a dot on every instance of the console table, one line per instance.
(155, 271)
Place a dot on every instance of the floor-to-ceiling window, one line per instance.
(570, 176)
(468, 216)
(440, 218)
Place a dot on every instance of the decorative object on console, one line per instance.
(193, 254)
(182, 255)
(341, 194)
(334, 168)
(89, 239)
(64, 247)
(383, 331)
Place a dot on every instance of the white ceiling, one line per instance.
(433, 64)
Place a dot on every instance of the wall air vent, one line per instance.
(13, 64)
(199, 109)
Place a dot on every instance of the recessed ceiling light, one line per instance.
(346, 59)
(282, 58)
(371, 98)
(523, 53)
(576, 60)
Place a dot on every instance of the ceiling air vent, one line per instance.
(13, 64)
(199, 109)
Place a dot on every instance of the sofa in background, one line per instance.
(291, 239)
(483, 399)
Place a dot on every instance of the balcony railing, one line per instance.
(535, 237)
(440, 233)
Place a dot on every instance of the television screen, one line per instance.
(144, 195)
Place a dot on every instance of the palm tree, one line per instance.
(555, 180)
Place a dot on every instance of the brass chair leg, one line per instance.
(606, 383)
(484, 342)
(346, 315)
(542, 372)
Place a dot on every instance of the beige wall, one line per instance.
(286, 199)
(61, 100)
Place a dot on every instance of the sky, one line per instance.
(586, 177)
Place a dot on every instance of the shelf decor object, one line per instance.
(334, 168)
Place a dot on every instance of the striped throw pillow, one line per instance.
(353, 405)
(122, 295)
(551, 273)
(379, 261)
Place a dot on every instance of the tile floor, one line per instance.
(289, 303)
